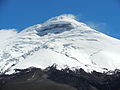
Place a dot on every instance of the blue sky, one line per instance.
(104, 15)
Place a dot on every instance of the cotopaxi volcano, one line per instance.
(61, 40)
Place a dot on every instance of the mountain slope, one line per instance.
(63, 41)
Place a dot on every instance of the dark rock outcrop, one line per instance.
(54, 79)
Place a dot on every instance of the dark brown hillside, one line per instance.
(53, 79)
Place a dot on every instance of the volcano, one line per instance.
(61, 40)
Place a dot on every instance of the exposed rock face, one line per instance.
(53, 79)
(54, 29)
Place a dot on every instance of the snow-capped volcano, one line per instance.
(63, 41)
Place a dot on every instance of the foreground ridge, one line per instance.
(65, 79)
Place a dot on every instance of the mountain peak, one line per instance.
(63, 17)
(68, 18)
(58, 24)
(62, 23)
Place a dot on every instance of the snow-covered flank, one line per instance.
(63, 41)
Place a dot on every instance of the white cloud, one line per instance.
(7, 33)
(99, 26)
(96, 25)
(5, 37)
